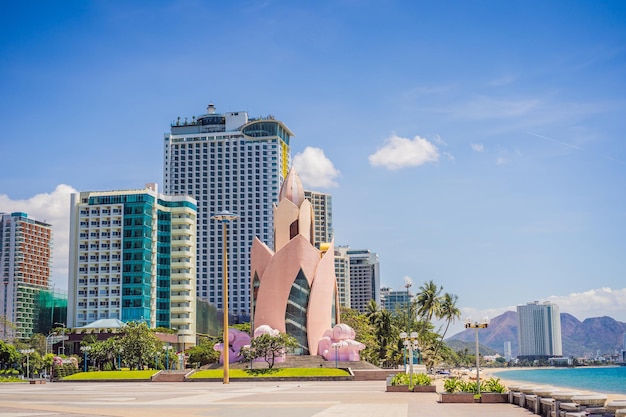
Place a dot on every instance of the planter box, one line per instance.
(461, 397)
(494, 397)
(397, 388)
(468, 397)
(416, 388)
(424, 388)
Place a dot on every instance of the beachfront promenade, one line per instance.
(237, 399)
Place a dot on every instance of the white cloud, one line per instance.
(402, 152)
(52, 208)
(593, 303)
(501, 161)
(315, 169)
(589, 304)
(478, 147)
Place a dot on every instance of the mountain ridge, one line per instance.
(595, 335)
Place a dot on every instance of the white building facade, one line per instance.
(132, 258)
(539, 330)
(322, 204)
(364, 276)
(235, 163)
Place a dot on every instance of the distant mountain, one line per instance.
(586, 338)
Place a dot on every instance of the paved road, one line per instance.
(237, 399)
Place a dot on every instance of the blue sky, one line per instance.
(478, 144)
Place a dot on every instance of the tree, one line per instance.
(448, 311)
(428, 301)
(140, 344)
(9, 356)
(38, 342)
(204, 353)
(364, 333)
(103, 353)
(269, 347)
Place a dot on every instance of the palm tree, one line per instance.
(428, 301)
(448, 311)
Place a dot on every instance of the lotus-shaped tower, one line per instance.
(294, 285)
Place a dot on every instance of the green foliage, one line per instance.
(140, 345)
(243, 327)
(403, 378)
(269, 347)
(9, 356)
(364, 333)
(452, 385)
(458, 385)
(492, 385)
(422, 379)
(270, 373)
(400, 378)
(203, 353)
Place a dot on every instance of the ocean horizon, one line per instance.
(601, 379)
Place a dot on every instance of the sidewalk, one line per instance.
(237, 399)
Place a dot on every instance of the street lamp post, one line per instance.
(27, 352)
(167, 348)
(62, 324)
(335, 345)
(408, 316)
(85, 349)
(119, 358)
(410, 341)
(476, 325)
(225, 217)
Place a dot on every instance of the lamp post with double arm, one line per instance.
(469, 324)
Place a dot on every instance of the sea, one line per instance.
(603, 379)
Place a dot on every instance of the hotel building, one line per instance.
(132, 258)
(25, 258)
(228, 162)
(539, 331)
(364, 277)
(322, 204)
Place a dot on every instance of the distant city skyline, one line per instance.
(478, 145)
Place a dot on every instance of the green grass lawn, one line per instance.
(210, 373)
(270, 373)
(102, 375)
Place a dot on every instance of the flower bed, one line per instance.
(401, 382)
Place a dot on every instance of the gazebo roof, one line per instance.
(105, 324)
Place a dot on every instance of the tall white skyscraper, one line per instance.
(132, 258)
(322, 204)
(228, 162)
(364, 276)
(25, 257)
(539, 330)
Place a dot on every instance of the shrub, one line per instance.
(492, 385)
(400, 379)
(422, 379)
(452, 385)
(457, 385)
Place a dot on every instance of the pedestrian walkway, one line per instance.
(237, 399)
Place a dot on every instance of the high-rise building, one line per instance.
(364, 277)
(539, 331)
(507, 351)
(342, 272)
(235, 163)
(322, 204)
(25, 257)
(132, 258)
(394, 300)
